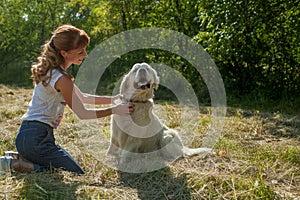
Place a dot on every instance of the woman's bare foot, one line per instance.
(23, 166)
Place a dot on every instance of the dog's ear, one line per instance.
(124, 83)
(154, 86)
(156, 80)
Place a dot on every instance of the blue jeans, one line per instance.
(36, 143)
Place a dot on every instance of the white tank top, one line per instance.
(47, 104)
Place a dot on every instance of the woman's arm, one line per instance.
(73, 99)
(94, 99)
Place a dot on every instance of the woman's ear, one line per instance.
(63, 54)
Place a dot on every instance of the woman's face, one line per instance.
(74, 56)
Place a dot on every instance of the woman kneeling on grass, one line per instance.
(53, 89)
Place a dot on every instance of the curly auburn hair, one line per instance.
(65, 37)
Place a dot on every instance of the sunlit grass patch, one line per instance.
(291, 154)
(6, 114)
(256, 158)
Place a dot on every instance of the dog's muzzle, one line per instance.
(142, 85)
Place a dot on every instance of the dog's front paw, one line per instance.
(113, 151)
(188, 152)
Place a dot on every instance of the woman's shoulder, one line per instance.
(63, 81)
(55, 76)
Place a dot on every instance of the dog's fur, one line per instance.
(142, 131)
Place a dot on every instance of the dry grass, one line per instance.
(259, 159)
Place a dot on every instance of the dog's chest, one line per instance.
(142, 123)
(142, 115)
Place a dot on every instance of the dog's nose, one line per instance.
(142, 72)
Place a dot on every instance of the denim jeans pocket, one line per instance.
(33, 138)
(23, 141)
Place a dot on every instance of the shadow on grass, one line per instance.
(46, 185)
(276, 125)
(157, 185)
(281, 126)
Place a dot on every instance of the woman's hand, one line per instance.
(123, 109)
(116, 99)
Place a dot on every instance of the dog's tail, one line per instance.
(188, 152)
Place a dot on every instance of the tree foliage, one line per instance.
(255, 44)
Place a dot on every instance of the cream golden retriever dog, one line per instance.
(142, 131)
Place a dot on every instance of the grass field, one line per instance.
(258, 157)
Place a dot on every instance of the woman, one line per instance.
(54, 88)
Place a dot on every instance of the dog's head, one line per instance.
(139, 83)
